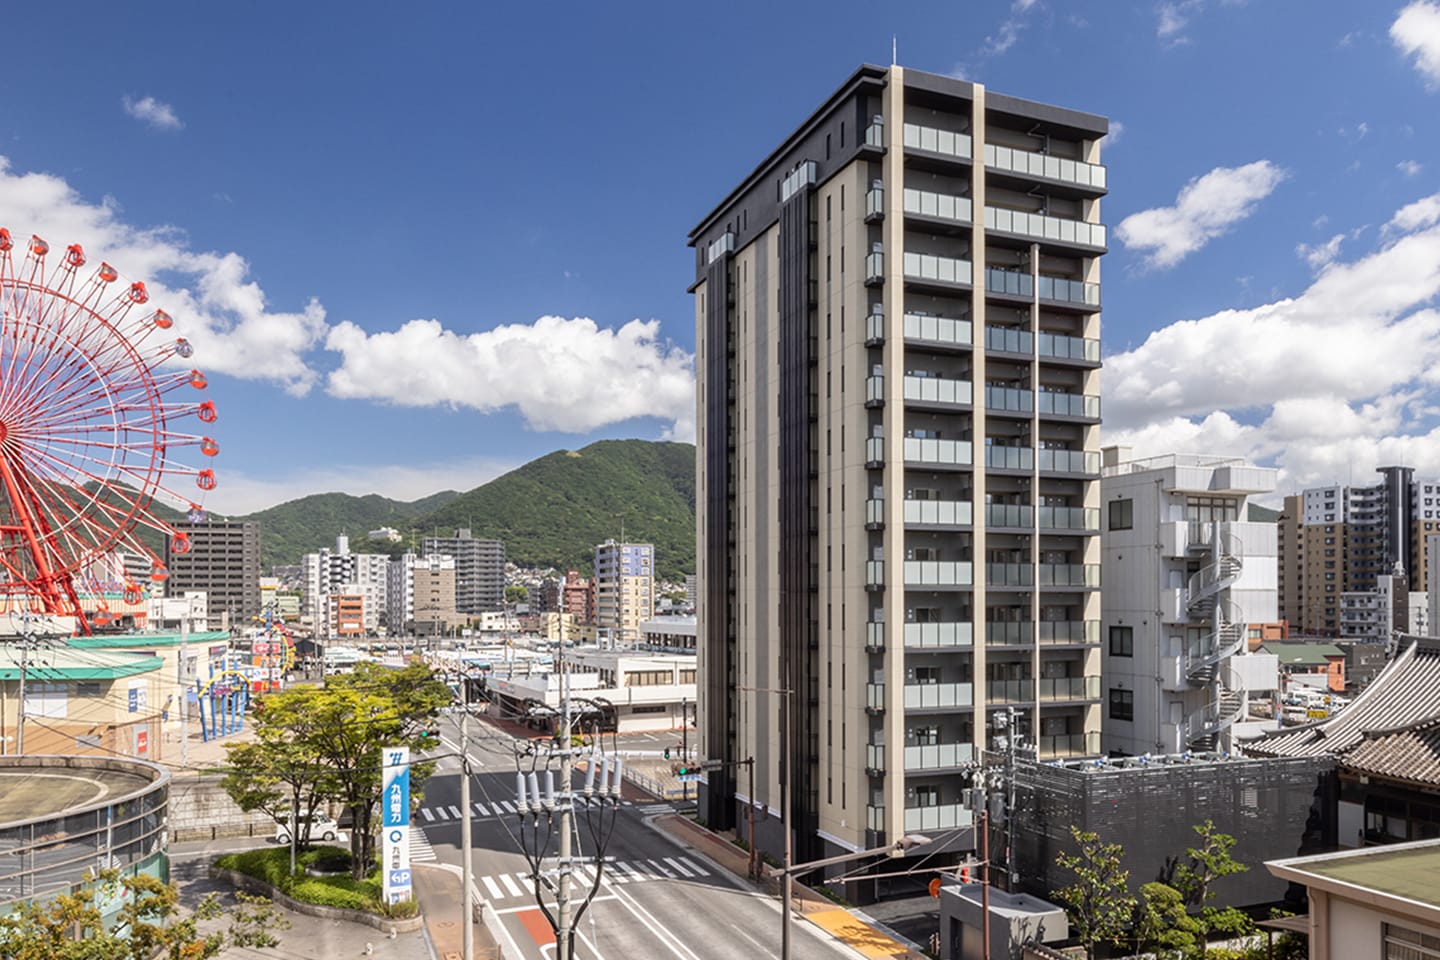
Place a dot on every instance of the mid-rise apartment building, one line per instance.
(898, 464)
(420, 594)
(223, 560)
(1185, 576)
(479, 569)
(359, 576)
(624, 589)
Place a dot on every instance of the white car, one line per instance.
(321, 828)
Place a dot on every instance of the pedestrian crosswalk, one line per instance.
(511, 886)
(649, 809)
(420, 849)
(441, 813)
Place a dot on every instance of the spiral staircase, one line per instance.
(1207, 599)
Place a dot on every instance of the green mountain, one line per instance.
(298, 527)
(552, 511)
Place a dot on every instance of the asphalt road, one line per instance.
(655, 899)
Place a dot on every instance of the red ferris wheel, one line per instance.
(92, 382)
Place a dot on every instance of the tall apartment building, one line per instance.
(479, 569)
(420, 594)
(898, 320)
(1185, 575)
(224, 561)
(342, 573)
(1341, 539)
(624, 589)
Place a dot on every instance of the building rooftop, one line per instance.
(1406, 874)
(41, 787)
(61, 663)
(1293, 654)
(145, 641)
(1409, 753)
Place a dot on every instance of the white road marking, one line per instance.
(429, 817)
(510, 885)
(493, 887)
(682, 870)
(455, 812)
(700, 871)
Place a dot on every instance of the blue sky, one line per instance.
(416, 247)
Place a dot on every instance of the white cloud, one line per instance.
(1204, 209)
(159, 115)
(1010, 29)
(1341, 378)
(1320, 254)
(1117, 130)
(1410, 168)
(558, 374)
(240, 492)
(215, 302)
(1416, 31)
(1172, 19)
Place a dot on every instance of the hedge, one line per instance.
(273, 867)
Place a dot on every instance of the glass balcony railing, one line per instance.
(940, 205)
(938, 635)
(945, 816)
(1060, 347)
(1070, 518)
(1010, 458)
(1010, 282)
(875, 266)
(1069, 745)
(1009, 399)
(875, 133)
(875, 756)
(1010, 691)
(937, 390)
(924, 266)
(1010, 633)
(875, 202)
(928, 450)
(875, 573)
(1069, 688)
(1007, 340)
(1070, 461)
(1069, 631)
(1010, 574)
(875, 817)
(874, 449)
(919, 326)
(875, 696)
(937, 141)
(938, 512)
(875, 324)
(1041, 165)
(938, 573)
(875, 388)
(1043, 227)
(938, 756)
(875, 634)
(1070, 404)
(1069, 574)
(1069, 291)
(1010, 515)
(938, 696)
(875, 510)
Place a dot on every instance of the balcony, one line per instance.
(1010, 691)
(1014, 283)
(937, 513)
(924, 266)
(1010, 633)
(1045, 167)
(1070, 632)
(1070, 461)
(875, 636)
(1069, 405)
(798, 179)
(1069, 574)
(1039, 226)
(1009, 400)
(874, 268)
(1053, 689)
(875, 204)
(875, 326)
(1007, 340)
(875, 390)
(938, 573)
(875, 134)
(943, 331)
(874, 698)
(938, 390)
(874, 574)
(948, 816)
(937, 452)
(938, 636)
(1019, 515)
(875, 514)
(1055, 346)
(875, 759)
(1009, 575)
(938, 756)
(874, 452)
(875, 817)
(1069, 745)
(939, 696)
(932, 140)
(1070, 518)
(1009, 458)
(941, 206)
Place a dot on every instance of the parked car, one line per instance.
(321, 828)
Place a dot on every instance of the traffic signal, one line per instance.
(684, 769)
(667, 753)
(430, 734)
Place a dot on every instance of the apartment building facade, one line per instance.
(479, 569)
(223, 560)
(898, 320)
(1186, 575)
(360, 577)
(420, 594)
(624, 589)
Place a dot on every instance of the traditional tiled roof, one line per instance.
(1405, 694)
(1409, 753)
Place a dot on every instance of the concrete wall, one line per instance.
(200, 809)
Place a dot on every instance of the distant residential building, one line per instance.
(692, 590)
(547, 598)
(479, 570)
(668, 634)
(624, 589)
(1185, 575)
(190, 612)
(223, 560)
(420, 594)
(346, 614)
(342, 573)
(388, 534)
(577, 597)
(1322, 663)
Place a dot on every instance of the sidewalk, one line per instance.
(440, 895)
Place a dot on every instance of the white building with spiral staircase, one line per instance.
(1186, 575)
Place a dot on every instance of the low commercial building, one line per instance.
(668, 635)
(638, 692)
(1313, 665)
(81, 702)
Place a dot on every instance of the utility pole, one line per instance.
(185, 711)
(466, 864)
(984, 884)
(20, 715)
(685, 744)
(565, 803)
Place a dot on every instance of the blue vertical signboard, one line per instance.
(395, 823)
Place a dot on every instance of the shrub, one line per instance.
(273, 867)
(400, 910)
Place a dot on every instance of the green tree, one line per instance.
(148, 925)
(1164, 927)
(516, 593)
(1207, 863)
(282, 770)
(1099, 901)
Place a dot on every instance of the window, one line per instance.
(1122, 704)
(1122, 641)
(927, 796)
(87, 689)
(1122, 514)
(1405, 944)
